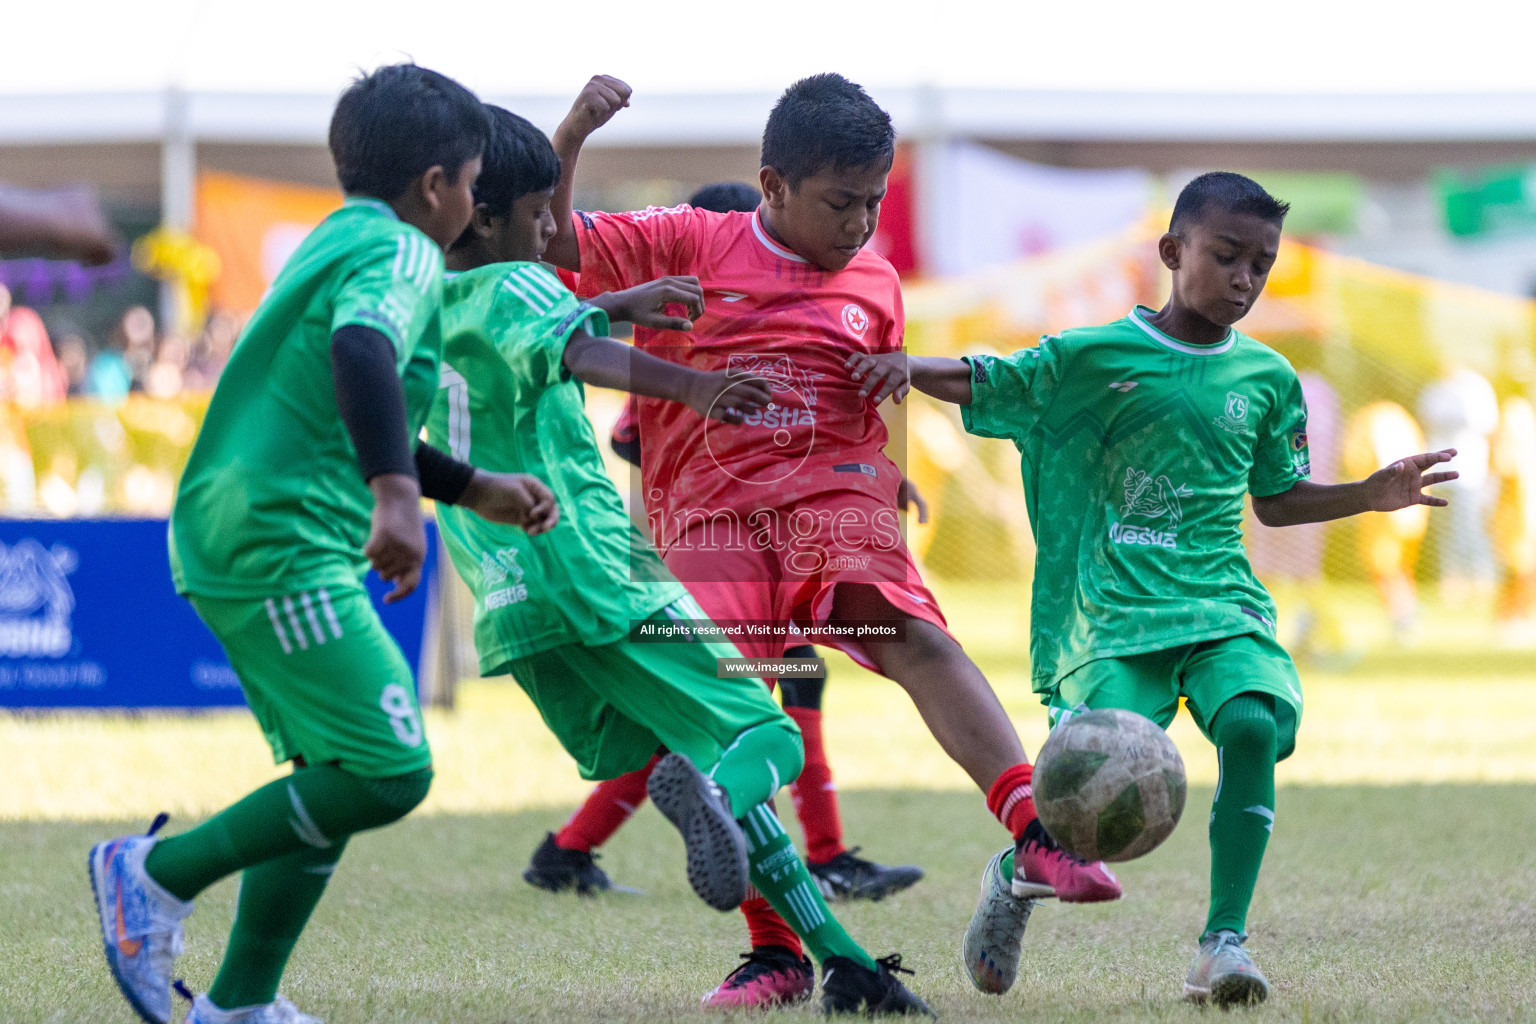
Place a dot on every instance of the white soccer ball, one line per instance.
(1109, 785)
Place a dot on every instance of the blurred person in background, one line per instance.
(165, 377)
(1461, 411)
(1379, 434)
(1513, 522)
(110, 377)
(211, 351)
(1290, 561)
(74, 360)
(29, 374)
(138, 330)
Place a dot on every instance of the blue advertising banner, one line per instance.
(89, 618)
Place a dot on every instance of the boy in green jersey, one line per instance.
(1140, 440)
(306, 471)
(557, 611)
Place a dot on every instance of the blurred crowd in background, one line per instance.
(39, 368)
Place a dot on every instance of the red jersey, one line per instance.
(768, 314)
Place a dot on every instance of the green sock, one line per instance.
(315, 808)
(780, 875)
(758, 762)
(276, 899)
(1243, 814)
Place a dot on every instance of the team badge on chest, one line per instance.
(855, 319)
(1234, 417)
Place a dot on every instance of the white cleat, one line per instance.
(279, 1011)
(996, 933)
(1224, 974)
(140, 923)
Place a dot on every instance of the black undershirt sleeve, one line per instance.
(371, 400)
(443, 477)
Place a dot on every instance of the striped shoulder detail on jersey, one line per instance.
(542, 279)
(415, 259)
(534, 297)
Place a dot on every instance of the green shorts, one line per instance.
(324, 678)
(612, 706)
(1206, 675)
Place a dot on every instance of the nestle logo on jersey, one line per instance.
(507, 595)
(1122, 534)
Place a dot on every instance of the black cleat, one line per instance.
(557, 869)
(847, 986)
(717, 848)
(850, 877)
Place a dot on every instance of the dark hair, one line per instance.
(394, 124)
(518, 160)
(826, 121)
(1231, 192)
(727, 197)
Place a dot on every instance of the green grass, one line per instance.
(1400, 884)
(1378, 903)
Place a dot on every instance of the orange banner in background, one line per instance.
(254, 225)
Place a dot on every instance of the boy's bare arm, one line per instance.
(605, 363)
(646, 305)
(948, 380)
(599, 100)
(1386, 490)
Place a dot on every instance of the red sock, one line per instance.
(609, 806)
(765, 926)
(814, 793)
(1011, 799)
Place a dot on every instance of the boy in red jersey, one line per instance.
(565, 859)
(791, 518)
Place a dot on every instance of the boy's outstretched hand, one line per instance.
(719, 396)
(595, 105)
(646, 305)
(516, 499)
(1402, 483)
(884, 375)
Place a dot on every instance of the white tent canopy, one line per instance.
(704, 47)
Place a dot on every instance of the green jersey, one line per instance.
(507, 404)
(1137, 452)
(272, 500)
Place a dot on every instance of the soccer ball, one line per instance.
(1109, 785)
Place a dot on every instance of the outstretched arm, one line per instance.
(948, 380)
(602, 97)
(646, 305)
(605, 363)
(1386, 490)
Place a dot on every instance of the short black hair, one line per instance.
(826, 121)
(518, 160)
(1231, 192)
(394, 124)
(727, 197)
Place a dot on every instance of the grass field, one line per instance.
(1400, 885)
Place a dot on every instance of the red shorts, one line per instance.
(783, 566)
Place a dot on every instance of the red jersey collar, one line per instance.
(770, 244)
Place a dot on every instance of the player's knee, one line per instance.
(789, 756)
(400, 794)
(1249, 727)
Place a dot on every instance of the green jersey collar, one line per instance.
(1182, 346)
(373, 204)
